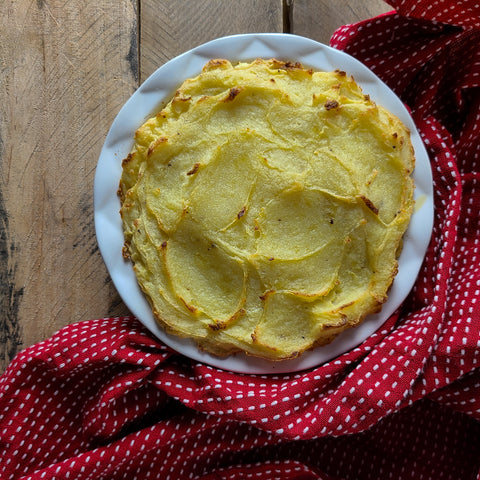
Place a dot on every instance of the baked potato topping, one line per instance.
(264, 207)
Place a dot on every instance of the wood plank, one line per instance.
(67, 68)
(318, 19)
(170, 28)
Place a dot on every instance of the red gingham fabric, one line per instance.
(104, 399)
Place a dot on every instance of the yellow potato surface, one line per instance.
(264, 207)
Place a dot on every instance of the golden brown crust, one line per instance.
(264, 207)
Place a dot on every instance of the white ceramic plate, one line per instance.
(149, 98)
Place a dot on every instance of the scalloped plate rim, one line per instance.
(150, 96)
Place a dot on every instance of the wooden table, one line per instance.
(66, 69)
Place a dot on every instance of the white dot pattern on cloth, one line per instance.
(104, 399)
(53, 423)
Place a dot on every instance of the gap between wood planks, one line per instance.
(287, 15)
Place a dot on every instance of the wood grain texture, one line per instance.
(67, 67)
(170, 28)
(318, 19)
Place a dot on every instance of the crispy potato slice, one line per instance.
(264, 207)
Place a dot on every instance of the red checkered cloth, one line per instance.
(104, 399)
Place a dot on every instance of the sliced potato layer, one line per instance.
(264, 207)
